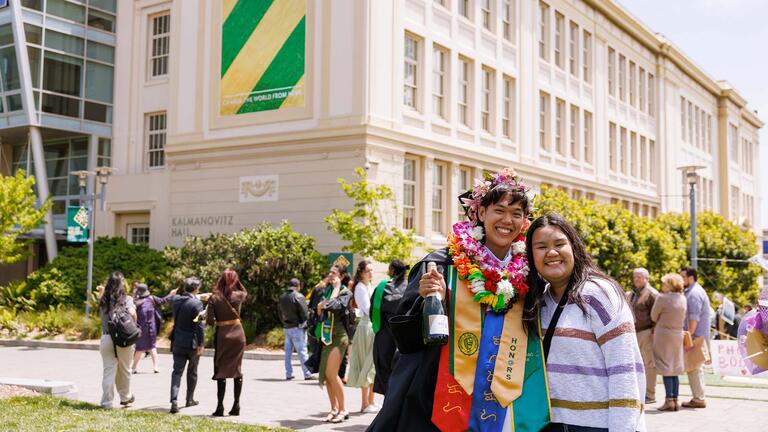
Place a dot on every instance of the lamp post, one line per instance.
(692, 178)
(102, 175)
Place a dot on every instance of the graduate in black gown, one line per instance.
(385, 353)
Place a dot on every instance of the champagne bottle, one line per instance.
(434, 320)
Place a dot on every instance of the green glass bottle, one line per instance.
(434, 320)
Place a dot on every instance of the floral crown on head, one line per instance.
(472, 198)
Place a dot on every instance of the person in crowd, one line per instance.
(150, 321)
(229, 342)
(669, 315)
(361, 369)
(116, 360)
(697, 324)
(384, 303)
(642, 299)
(293, 314)
(314, 325)
(335, 328)
(468, 383)
(594, 367)
(187, 340)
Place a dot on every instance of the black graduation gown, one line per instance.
(411, 389)
(384, 349)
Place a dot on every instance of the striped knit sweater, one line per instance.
(594, 369)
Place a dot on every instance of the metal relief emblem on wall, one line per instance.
(259, 188)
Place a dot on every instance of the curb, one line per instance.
(94, 346)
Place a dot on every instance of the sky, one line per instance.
(728, 39)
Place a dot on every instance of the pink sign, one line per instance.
(726, 359)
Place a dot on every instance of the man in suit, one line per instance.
(187, 340)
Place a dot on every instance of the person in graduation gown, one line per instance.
(475, 382)
(386, 298)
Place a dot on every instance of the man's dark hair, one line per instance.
(191, 284)
(690, 271)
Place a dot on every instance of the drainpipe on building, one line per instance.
(36, 139)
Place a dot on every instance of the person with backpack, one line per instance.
(150, 320)
(119, 334)
(229, 342)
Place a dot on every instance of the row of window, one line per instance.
(97, 14)
(705, 194)
(747, 156)
(630, 82)
(488, 14)
(576, 58)
(742, 205)
(465, 71)
(573, 136)
(630, 153)
(695, 125)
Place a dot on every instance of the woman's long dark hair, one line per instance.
(399, 270)
(584, 269)
(228, 282)
(361, 266)
(114, 291)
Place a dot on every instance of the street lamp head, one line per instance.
(103, 174)
(691, 176)
(82, 177)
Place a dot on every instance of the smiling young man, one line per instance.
(475, 381)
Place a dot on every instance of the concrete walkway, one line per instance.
(269, 400)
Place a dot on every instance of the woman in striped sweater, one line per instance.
(594, 368)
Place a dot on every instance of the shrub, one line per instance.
(64, 280)
(275, 338)
(54, 321)
(265, 258)
(14, 297)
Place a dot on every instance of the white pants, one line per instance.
(117, 371)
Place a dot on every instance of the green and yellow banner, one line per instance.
(262, 55)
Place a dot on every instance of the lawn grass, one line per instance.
(47, 413)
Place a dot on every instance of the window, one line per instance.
(465, 184)
(411, 61)
(586, 58)
(486, 103)
(156, 132)
(622, 77)
(559, 35)
(438, 197)
(507, 18)
(439, 77)
(465, 9)
(652, 159)
(575, 135)
(410, 176)
(641, 91)
(487, 12)
(544, 121)
(622, 153)
(709, 133)
(559, 125)
(651, 96)
(101, 20)
(508, 111)
(612, 146)
(587, 137)
(138, 234)
(632, 83)
(573, 49)
(66, 10)
(643, 162)
(689, 117)
(543, 31)
(160, 45)
(611, 72)
(632, 157)
(682, 118)
(734, 202)
(465, 86)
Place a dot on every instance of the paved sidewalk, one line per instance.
(269, 400)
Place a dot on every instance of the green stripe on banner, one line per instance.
(282, 74)
(531, 409)
(238, 27)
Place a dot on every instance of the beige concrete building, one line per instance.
(227, 114)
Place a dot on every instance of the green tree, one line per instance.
(19, 215)
(362, 226)
(265, 258)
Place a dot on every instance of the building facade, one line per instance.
(56, 102)
(230, 113)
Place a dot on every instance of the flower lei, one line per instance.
(491, 285)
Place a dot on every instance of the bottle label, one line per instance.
(438, 325)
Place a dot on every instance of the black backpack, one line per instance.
(122, 328)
